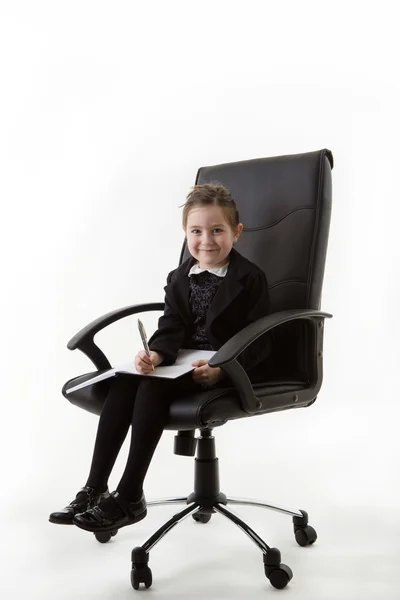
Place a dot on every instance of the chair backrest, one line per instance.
(284, 203)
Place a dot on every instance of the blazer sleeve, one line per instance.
(257, 305)
(169, 336)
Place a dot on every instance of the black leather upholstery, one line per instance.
(284, 203)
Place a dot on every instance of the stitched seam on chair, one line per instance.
(298, 281)
(318, 209)
(306, 364)
(279, 220)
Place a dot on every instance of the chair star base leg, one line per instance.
(260, 504)
(243, 526)
(278, 573)
(174, 520)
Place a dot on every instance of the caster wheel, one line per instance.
(305, 536)
(201, 517)
(280, 577)
(141, 574)
(105, 536)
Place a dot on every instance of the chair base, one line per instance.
(206, 500)
(278, 573)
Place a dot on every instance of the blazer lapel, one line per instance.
(227, 291)
(178, 289)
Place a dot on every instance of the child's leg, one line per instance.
(114, 422)
(148, 420)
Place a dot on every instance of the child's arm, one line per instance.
(169, 336)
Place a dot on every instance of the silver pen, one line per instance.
(144, 339)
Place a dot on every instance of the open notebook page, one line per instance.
(182, 365)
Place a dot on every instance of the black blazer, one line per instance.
(241, 298)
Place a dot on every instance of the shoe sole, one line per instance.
(56, 522)
(111, 527)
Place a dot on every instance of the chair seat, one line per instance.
(208, 408)
(216, 406)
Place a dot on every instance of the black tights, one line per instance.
(143, 403)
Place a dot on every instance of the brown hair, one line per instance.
(214, 194)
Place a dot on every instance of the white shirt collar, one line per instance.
(220, 271)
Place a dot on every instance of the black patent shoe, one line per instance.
(86, 498)
(104, 517)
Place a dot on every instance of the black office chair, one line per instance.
(284, 203)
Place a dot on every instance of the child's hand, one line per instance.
(204, 374)
(143, 362)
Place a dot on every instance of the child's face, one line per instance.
(209, 236)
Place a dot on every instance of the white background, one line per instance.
(107, 109)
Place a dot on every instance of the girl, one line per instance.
(211, 296)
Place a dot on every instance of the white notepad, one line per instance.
(182, 365)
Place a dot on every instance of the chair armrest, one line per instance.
(226, 356)
(83, 340)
